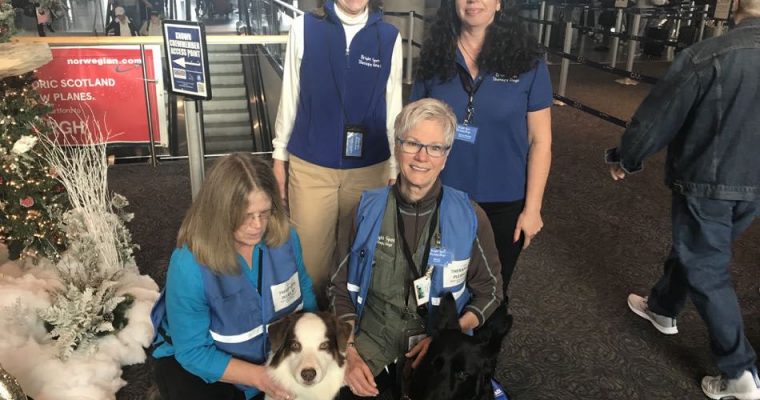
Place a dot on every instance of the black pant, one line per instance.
(176, 383)
(503, 217)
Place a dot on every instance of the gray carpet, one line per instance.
(573, 337)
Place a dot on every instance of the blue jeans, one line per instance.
(698, 265)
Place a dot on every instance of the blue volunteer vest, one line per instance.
(458, 227)
(339, 88)
(239, 314)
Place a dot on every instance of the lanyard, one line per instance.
(417, 272)
(261, 256)
(466, 80)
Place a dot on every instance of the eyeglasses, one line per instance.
(262, 216)
(413, 147)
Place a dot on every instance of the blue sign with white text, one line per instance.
(185, 44)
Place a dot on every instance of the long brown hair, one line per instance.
(220, 208)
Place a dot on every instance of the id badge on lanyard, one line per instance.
(466, 131)
(353, 141)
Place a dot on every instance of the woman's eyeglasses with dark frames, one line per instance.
(435, 150)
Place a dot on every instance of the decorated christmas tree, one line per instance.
(7, 15)
(31, 200)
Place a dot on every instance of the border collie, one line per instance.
(309, 354)
(458, 366)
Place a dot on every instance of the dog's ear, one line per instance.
(445, 316)
(278, 331)
(495, 329)
(343, 333)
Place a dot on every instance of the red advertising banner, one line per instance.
(103, 86)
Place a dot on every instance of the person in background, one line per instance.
(406, 246)
(706, 110)
(152, 26)
(236, 269)
(44, 20)
(480, 60)
(341, 90)
(121, 25)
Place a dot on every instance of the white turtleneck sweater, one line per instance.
(286, 113)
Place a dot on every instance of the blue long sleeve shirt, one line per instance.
(188, 310)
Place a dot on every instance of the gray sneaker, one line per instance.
(664, 324)
(745, 387)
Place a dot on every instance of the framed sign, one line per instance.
(186, 52)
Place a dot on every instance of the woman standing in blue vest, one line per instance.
(237, 268)
(483, 63)
(341, 90)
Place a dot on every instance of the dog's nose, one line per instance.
(308, 374)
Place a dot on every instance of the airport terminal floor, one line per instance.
(574, 336)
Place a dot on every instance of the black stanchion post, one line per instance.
(632, 45)
(565, 65)
(616, 39)
(583, 33)
(549, 19)
(541, 15)
(702, 23)
(674, 38)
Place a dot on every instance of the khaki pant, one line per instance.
(320, 199)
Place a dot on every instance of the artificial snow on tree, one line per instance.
(31, 199)
(79, 318)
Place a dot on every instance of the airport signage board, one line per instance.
(100, 90)
(187, 55)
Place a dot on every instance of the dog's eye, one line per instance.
(461, 376)
(295, 346)
(324, 345)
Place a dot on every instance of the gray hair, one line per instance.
(426, 110)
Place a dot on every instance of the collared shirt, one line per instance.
(494, 168)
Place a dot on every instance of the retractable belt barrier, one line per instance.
(617, 71)
(589, 110)
(621, 35)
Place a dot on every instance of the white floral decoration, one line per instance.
(23, 144)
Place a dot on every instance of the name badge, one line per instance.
(467, 133)
(413, 340)
(354, 141)
(439, 256)
(286, 293)
(422, 290)
(455, 274)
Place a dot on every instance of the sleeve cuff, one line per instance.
(280, 154)
(612, 156)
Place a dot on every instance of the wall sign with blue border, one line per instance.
(185, 44)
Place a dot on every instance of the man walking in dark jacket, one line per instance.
(706, 110)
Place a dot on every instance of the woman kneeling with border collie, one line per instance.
(237, 267)
(411, 243)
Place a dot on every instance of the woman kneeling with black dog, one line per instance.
(411, 243)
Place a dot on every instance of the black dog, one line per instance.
(458, 366)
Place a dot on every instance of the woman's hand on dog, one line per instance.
(418, 351)
(358, 376)
(265, 383)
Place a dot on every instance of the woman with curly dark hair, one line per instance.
(480, 60)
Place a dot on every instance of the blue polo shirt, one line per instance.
(494, 167)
